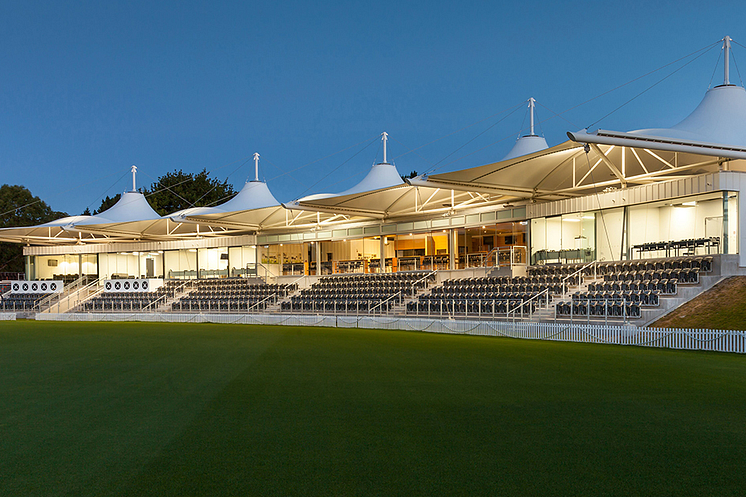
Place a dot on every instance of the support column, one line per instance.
(80, 266)
(452, 248)
(725, 222)
(382, 253)
(317, 244)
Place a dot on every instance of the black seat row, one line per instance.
(667, 287)
(199, 305)
(20, 301)
(644, 297)
(474, 307)
(337, 305)
(606, 308)
(689, 275)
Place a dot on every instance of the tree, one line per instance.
(411, 175)
(18, 207)
(107, 203)
(179, 190)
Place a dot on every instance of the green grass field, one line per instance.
(162, 409)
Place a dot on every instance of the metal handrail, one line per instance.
(186, 283)
(260, 302)
(383, 301)
(78, 291)
(296, 281)
(162, 297)
(520, 306)
(564, 285)
(47, 301)
(497, 250)
(432, 272)
(266, 271)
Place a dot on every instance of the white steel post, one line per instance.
(726, 58)
(256, 166)
(134, 170)
(385, 137)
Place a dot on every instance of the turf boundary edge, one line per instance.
(700, 339)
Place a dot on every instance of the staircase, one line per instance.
(180, 292)
(73, 296)
(546, 314)
(401, 308)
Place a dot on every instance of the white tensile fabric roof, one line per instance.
(719, 118)
(132, 207)
(250, 208)
(717, 127)
(51, 232)
(379, 177)
(383, 194)
(254, 208)
(527, 145)
(713, 133)
(253, 195)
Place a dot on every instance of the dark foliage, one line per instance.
(107, 203)
(179, 190)
(20, 208)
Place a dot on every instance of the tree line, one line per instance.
(169, 193)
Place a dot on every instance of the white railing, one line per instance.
(512, 255)
(73, 296)
(257, 304)
(529, 312)
(267, 272)
(690, 339)
(380, 304)
(579, 273)
(424, 278)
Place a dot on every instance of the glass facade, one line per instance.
(490, 245)
(68, 267)
(693, 225)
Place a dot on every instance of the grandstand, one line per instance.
(605, 227)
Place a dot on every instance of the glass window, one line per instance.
(181, 264)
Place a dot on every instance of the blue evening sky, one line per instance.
(90, 88)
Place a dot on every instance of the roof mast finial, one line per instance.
(256, 166)
(726, 56)
(134, 171)
(531, 103)
(385, 137)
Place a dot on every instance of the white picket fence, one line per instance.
(690, 339)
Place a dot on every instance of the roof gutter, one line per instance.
(602, 137)
(298, 206)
